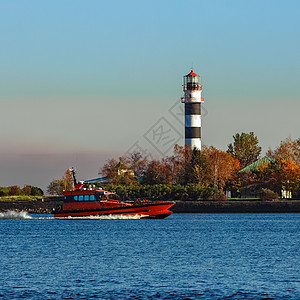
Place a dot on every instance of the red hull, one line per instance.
(157, 210)
(97, 202)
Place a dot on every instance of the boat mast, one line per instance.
(72, 170)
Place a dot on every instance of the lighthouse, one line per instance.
(192, 99)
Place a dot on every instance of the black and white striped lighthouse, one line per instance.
(192, 99)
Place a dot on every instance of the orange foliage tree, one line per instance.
(224, 168)
(284, 174)
(14, 191)
(209, 167)
(57, 186)
(27, 190)
(68, 180)
(288, 149)
(177, 165)
(171, 169)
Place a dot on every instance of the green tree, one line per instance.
(245, 148)
(36, 191)
(4, 191)
(199, 169)
(56, 187)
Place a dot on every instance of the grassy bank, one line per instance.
(20, 198)
(30, 198)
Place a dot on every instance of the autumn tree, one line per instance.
(175, 167)
(109, 170)
(263, 171)
(14, 191)
(170, 169)
(155, 173)
(209, 167)
(27, 190)
(284, 174)
(118, 172)
(137, 162)
(274, 174)
(245, 148)
(222, 165)
(68, 180)
(181, 162)
(288, 149)
(184, 166)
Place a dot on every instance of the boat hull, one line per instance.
(159, 210)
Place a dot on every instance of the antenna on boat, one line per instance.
(72, 170)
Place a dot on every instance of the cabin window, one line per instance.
(80, 197)
(75, 198)
(92, 197)
(68, 198)
(86, 198)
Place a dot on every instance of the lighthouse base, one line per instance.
(193, 143)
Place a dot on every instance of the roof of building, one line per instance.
(121, 165)
(192, 73)
(254, 166)
(100, 180)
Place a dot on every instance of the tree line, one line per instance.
(195, 175)
(15, 190)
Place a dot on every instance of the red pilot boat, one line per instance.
(81, 203)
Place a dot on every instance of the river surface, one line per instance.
(186, 256)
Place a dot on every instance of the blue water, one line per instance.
(187, 256)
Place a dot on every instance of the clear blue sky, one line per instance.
(82, 81)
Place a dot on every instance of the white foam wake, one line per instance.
(11, 214)
(106, 217)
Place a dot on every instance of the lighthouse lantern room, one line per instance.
(192, 99)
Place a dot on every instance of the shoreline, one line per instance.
(43, 206)
(48, 205)
(235, 206)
